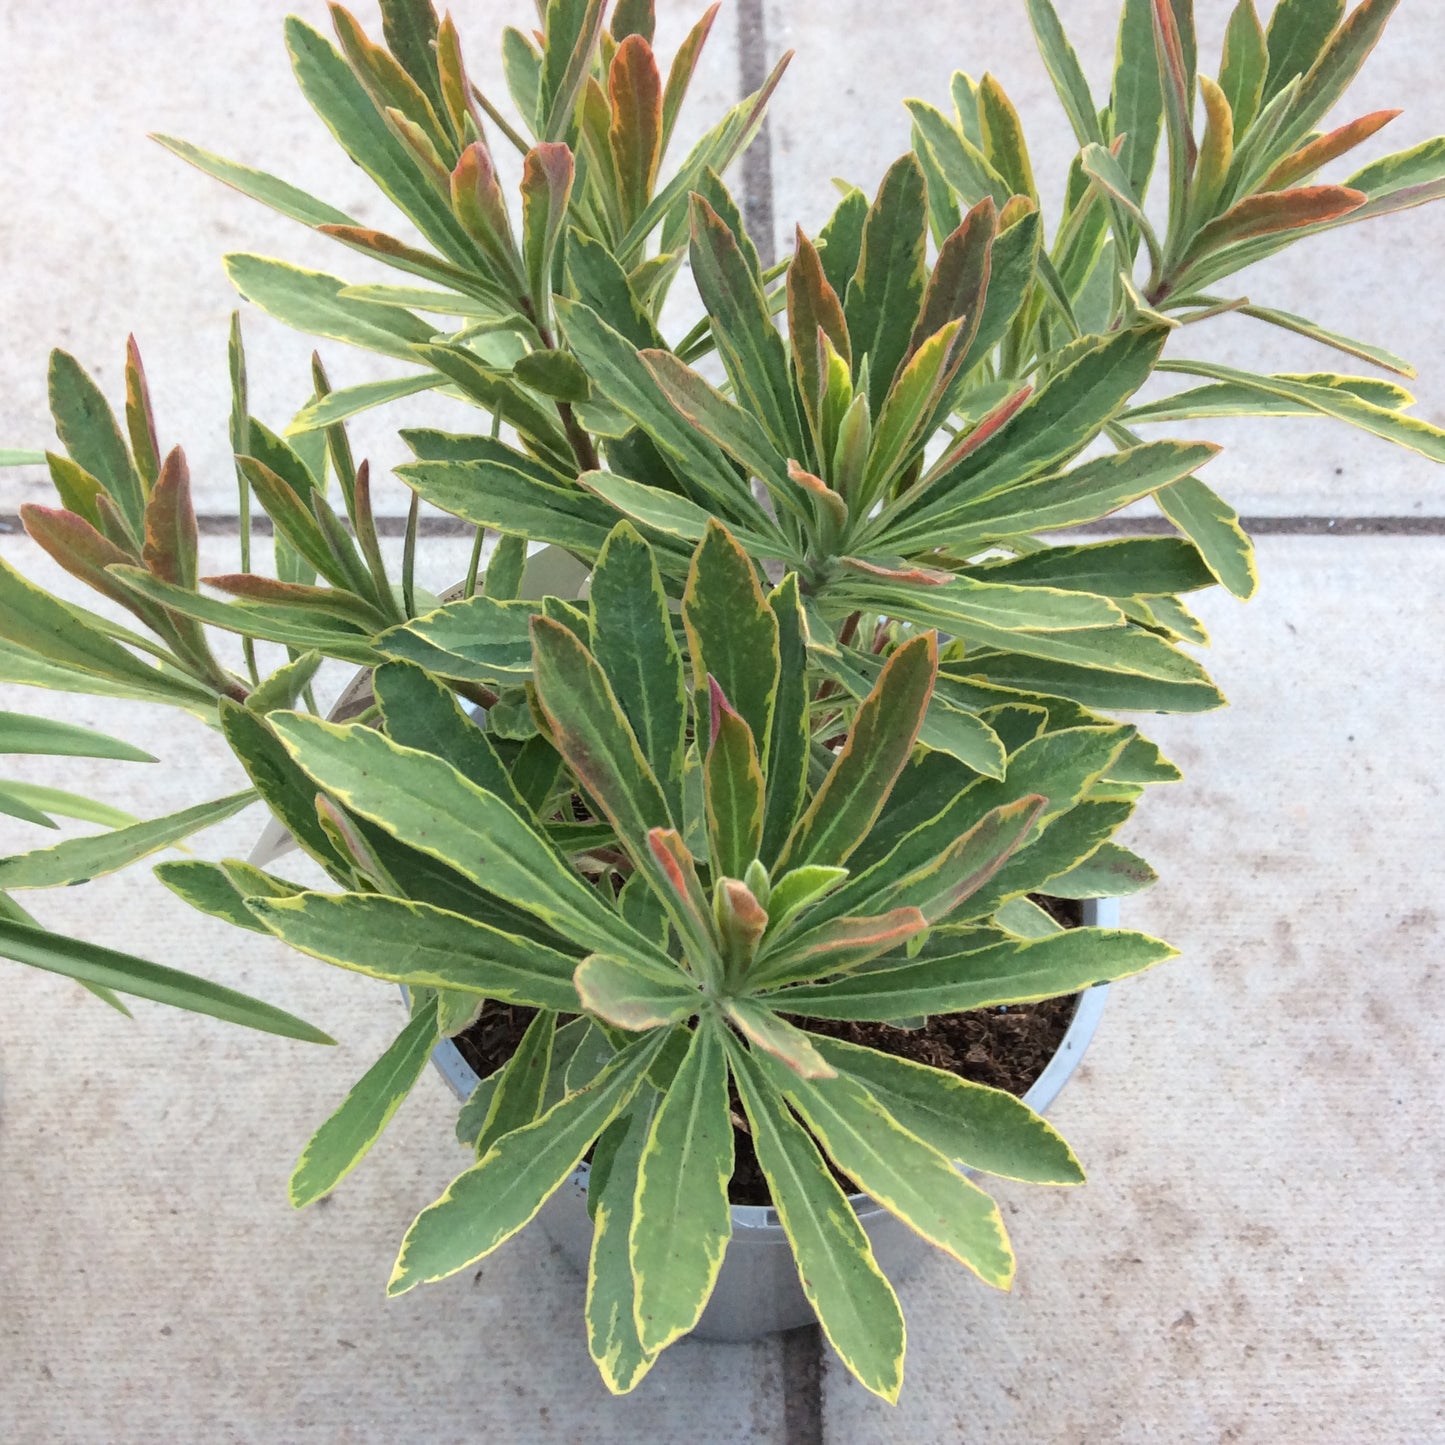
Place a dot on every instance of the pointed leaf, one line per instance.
(21, 733)
(855, 1304)
(886, 295)
(421, 946)
(907, 1176)
(87, 426)
(78, 859)
(426, 804)
(104, 968)
(732, 633)
(862, 774)
(341, 1143)
(488, 1203)
(748, 343)
(682, 1220)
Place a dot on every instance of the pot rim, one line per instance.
(761, 1220)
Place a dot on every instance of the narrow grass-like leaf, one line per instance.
(21, 733)
(104, 968)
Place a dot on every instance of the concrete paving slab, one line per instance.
(105, 233)
(157, 1285)
(839, 113)
(1257, 1255)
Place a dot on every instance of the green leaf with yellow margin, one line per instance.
(611, 1290)
(341, 1143)
(516, 1101)
(1214, 528)
(682, 1220)
(77, 859)
(1003, 973)
(908, 1177)
(732, 633)
(488, 1203)
(426, 804)
(634, 998)
(421, 946)
(855, 1304)
(863, 773)
(634, 643)
(971, 1124)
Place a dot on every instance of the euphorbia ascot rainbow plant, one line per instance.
(828, 715)
(736, 900)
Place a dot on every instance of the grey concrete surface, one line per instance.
(840, 114)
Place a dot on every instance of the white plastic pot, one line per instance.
(758, 1292)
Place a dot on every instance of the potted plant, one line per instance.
(687, 862)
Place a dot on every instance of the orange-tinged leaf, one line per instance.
(170, 520)
(1274, 211)
(1326, 148)
(481, 207)
(684, 63)
(919, 576)
(883, 734)
(813, 306)
(959, 282)
(778, 1038)
(78, 547)
(635, 88)
(838, 945)
(999, 417)
(139, 418)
